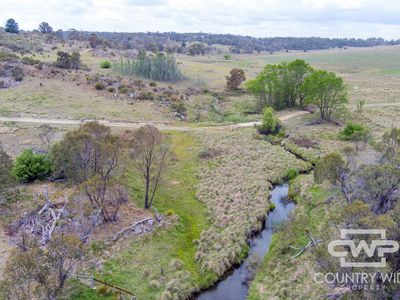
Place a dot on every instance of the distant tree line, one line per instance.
(181, 42)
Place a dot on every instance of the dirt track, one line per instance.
(136, 125)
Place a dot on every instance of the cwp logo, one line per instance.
(382, 245)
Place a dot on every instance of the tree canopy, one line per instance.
(12, 26)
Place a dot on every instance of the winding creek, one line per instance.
(233, 286)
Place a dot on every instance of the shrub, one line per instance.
(17, 73)
(105, 64)
(30, 61)
(111, 89)
(99, 86)
(7, 56)
(153, 84)
(292, 174)
(270, 122)
(169, 212)
(354, 132)
(30, 166)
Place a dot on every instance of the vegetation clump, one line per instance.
(237, 76)
(270, 122)
(105, 64)
(157, 67)
(30, 166)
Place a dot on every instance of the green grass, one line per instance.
(307, 216)
(149, 258)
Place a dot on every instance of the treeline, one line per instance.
(179, 42)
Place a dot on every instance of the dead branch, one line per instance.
(312, 243)
(137, 227)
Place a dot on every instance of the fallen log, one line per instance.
(133, 227)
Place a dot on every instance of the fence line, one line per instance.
(93, 280)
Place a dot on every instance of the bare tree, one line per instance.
(46, 135)
(150, 152)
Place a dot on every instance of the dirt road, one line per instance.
(131, 125)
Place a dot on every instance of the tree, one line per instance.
(337, 171)
(64, 252)
(236, 78)
(380, 185)
(5, 170)
(391, 144)
(270, 122)
(90, 156)
(34, 272)
(44, 27)
(30, 166)
(46, 135)
(150, 152)
(299, 70)
(68, 61)
(326, 91)
(12, 26)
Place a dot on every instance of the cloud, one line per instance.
(328, 18)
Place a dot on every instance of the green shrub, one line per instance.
(292, 174)
(105, 64)
(354, 132)
(272, 206)
(153, 84)
(169, 212)
(111, 89)
(99, 86)
(270, 122)
(30, 166)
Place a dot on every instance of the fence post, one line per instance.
(92, 282)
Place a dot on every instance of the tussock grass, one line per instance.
(235, 186)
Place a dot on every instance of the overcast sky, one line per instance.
(260, 18)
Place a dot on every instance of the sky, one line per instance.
(259, 18)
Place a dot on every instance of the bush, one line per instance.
(354, 132)
(105, 64)
(153, 84)
(8, 57)
(17, 73)
(99, 86)
(111, 89)
(270, 122)
(30, 61)
(169, 212)
(292, 174)
(30, 166)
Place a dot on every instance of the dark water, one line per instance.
(233, 286)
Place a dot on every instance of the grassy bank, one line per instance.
(164, 262)
(278, 271)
